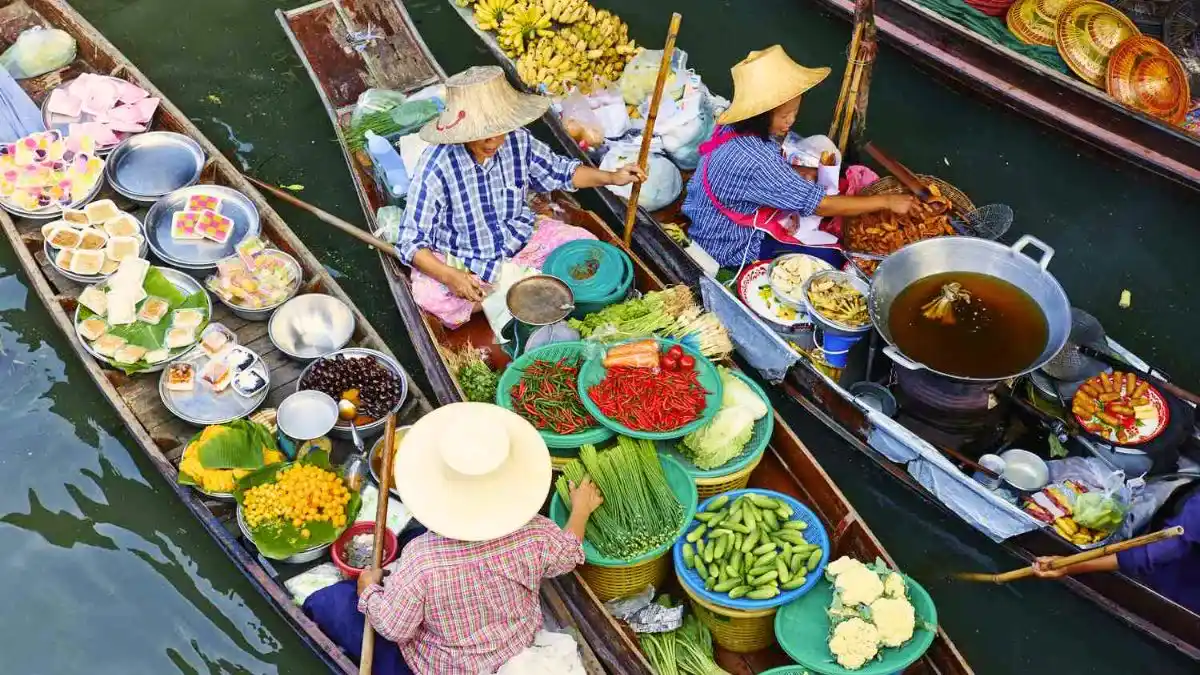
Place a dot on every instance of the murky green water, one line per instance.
(104, 572)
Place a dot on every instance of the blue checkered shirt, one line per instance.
(745, 173)
(479, 213)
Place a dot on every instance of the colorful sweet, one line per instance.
(153, 310)
(180, 337)
(216, 338)
(108, 344)
(217, 375)
(214, 226)
(184, 225)
(93, 328)
(181, 377)
(265, 281)
(92, 239)
(120, 248)
(123, 225)
(101, 211)
(157, 356)
(204, 203)
(95, 300)
(87, 262)
(63, 103)
(104, 108)
(129, 354)
(44, 171)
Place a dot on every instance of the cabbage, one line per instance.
(735, 392)
(720, 440)
(1098, 511)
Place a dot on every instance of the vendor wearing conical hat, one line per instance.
(744, 187)
(467, 209)
(463, 597)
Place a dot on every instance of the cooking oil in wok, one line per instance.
(968, 324)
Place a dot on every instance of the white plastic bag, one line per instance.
(640, 74)
(684, 124)
(663, 180)
(610, 109)
(38, 51)
(581, 123)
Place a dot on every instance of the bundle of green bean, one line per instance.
(750, 547)
(639, 513)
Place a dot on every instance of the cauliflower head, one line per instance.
(843, 564)
(858, 586)
(894, 586)
(895, 620)
(854, 643)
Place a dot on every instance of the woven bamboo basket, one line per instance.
(617, 582)
(737, 630)
(889, 185)
(707, 487)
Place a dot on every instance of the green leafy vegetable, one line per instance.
(1098, 511)
(478, 381)
(725, 437)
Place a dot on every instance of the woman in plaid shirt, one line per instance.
(463, 597)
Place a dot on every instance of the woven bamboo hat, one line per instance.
(765, 80)
(480, 104)
(1029, 24)
(473, 471)
(1086, 34)
(1144, 75)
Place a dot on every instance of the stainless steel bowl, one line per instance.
(311, 325)
(300, 558)
(377, 449)
(264, 313)
(824, 322)
(151, 165)
(795, 302)
(342, 429)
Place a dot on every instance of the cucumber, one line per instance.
(730, 571)
(705, 517)
(783, 513)
(799, 563)
(709, 553)
(765, 577)
(702, 570)
(696, 533)
(763, 593)
(760, 569)
(710, 584)
(813, 560)
(737, 527)
(720, 532)
(767, 558)
(688, 554)
(796, 525)
(714, 571)
(782, 568)
(795, 583)
(750, 543)
(728, 585)
(739, 591)
(738, 540)
(764, 548)
(770, 520)
(720, 552)
(716, 504)
(763, 501)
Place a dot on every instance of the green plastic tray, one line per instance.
(682, 487)
(593, 371)
(802, 629)
(551, 352)
(786, 670)
(759, 440)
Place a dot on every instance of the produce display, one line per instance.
(558, 44)
(725, 437)
(106, 109)
(750, 547)
(884, 232)
(548, 396)
(257, 277)
(294, 507)
(1121, 408)
(125, 319)
(646, 392)
(94, 241)
(687, 650)
(870, 611)
(364, 381)
(640, 513)
(477, 379)
(45, 171)
(838, 300)
(220, 455)
(790, 272)
(671, 313)
(1079, 514)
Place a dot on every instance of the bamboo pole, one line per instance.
(664, 69)
(867, 48)
(344, 226)
(855, 82)
(385, 481)
(842, 106)
(1068, 561)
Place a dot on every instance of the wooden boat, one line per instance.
(161, 436)
(403, 63)
(1125, 598)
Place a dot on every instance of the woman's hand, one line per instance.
(1041, 568)
(368, 578)
(899, 204)
(464, 284)
(630, 173)
(585, 496)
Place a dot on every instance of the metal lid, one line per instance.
(540, 300)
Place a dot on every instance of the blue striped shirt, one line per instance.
(745, 173)
(479, 213)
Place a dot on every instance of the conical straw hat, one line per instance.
(1087, 32)
(1144, 75)
(1028, 25)
(480, 104)
(765, 80)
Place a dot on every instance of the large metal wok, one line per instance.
(970, 254)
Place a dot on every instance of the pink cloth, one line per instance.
(857, 177)
(433, 296)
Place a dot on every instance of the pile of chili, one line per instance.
(548, 396)
(648, 399)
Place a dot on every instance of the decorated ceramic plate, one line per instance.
(754, 288)
(1121, 408)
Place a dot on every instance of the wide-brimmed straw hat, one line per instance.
(473, 471)
(480, 103)
(1144, 75)
(1087, 32)
(765, 80)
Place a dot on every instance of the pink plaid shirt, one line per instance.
(465, 608)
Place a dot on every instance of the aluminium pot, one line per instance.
(971, 254)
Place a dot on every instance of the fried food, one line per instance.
(837, 300)
(884, 232)
(1117, 408)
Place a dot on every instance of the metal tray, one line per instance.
(202, 406)
(153, 164)
(51, 212)
(61, 122)
(186, 285)
(199, 255)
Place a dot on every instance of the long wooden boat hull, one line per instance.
(787, 466)
(1133, 603)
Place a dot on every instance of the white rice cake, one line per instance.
(157, 356)
(130, 274)
(120, 248)
(129, 354)
(121, 308)
(63, 259)
(64, 236)
(87, 262)
(123, 225)
(101, 212)
(92, 239)
(92, 329)
(180, 337)
(76, 217)
(94, 299)
(108, 345)
(187, 318)
(109, 266)
(153, 310)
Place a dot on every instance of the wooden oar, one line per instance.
(385, 481)
(356, 232)
(907, 178)
(1068, 561)
(664, 69)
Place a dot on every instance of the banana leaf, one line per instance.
(240, 446)
(284, 540)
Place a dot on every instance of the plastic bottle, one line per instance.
(388, 165)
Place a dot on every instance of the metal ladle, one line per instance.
(356, 466)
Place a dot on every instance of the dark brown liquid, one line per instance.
(999, 333)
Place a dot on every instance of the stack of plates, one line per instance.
(198, 257)
(152, 165)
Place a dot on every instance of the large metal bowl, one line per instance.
(264, 313)
(300, 558)
(310, 326)
(824, 322)
(342, 428)
(971, 254)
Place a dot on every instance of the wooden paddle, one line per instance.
(907, 178)
(664, 69)
(356, 232)
(1068, 561)
(385, 481)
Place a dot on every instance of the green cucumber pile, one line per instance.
(750, 548)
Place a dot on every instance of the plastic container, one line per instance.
(388, 165)
(512, 375)
(338, 550)
(598, 274)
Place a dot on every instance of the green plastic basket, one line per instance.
(802, 629)
(681, 486)
(786, 670)
(593, 371)
(551, 352)
(763, 429)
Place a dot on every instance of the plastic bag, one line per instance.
(581, 123)
(663, 183)
(683, 125)
(641, 73)
(38, 51)
(374, 101)
(306, 583)
(610, 109)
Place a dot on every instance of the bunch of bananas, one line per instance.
(567, 12)
(522, 24)
(465, 3)
(489, 13)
